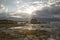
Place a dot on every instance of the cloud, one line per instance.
(25, 5)
(49, 12)
(45, 9)
(3, 12)
(29, 7)
(2, 8)
(57, 16)
(20, 8)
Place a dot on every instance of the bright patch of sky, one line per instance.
(23, 5)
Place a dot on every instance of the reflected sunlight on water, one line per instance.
(22, 27)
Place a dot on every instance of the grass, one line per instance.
(36, 33)
(11, 25)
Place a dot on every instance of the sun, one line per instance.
(30, 10)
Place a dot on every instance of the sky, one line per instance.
(26, 8)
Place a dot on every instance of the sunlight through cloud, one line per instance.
(17, 16)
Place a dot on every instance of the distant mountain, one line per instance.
(13, 19)
(48, 19)
(26, 19)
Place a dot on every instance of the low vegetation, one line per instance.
(35, 33)
(9, 23)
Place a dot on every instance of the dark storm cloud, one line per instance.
(49, 12)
